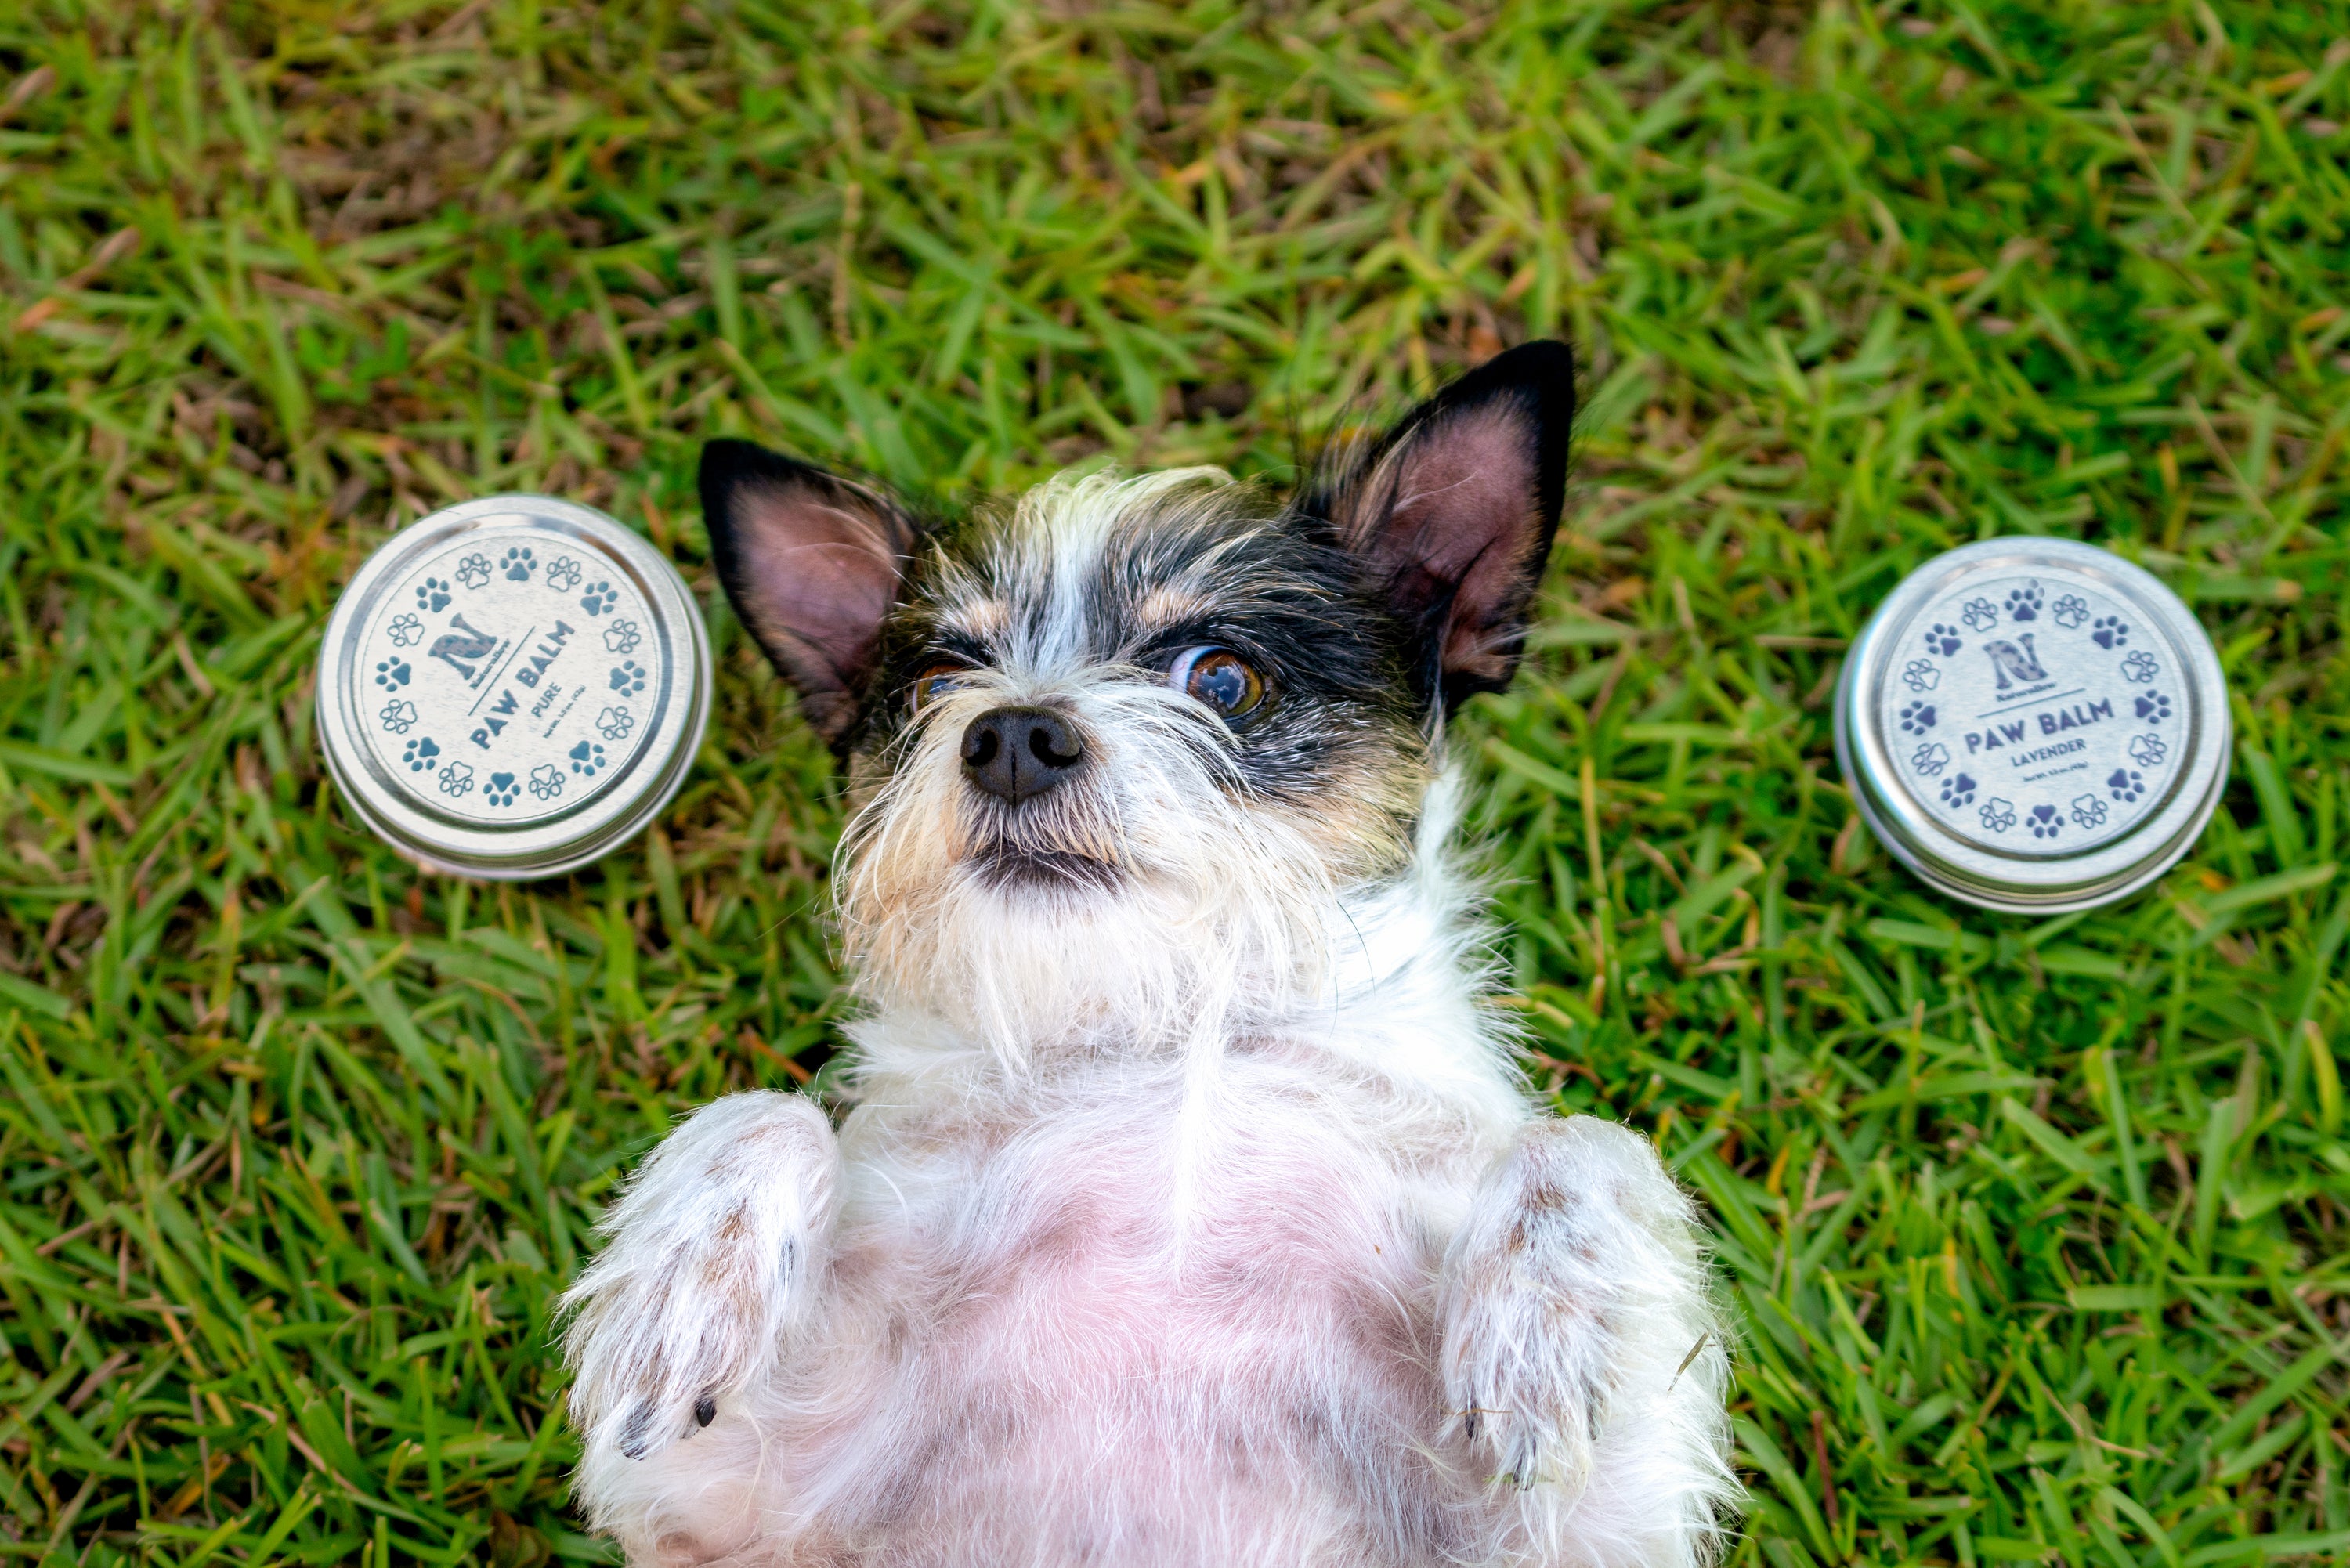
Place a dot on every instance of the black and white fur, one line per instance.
(1190, 1210)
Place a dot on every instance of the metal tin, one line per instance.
(513, 687)
(2033, 725)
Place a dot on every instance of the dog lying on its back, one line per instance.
(1191, 1211)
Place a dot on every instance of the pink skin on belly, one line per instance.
(1046, 1358)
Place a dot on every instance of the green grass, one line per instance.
(2036, 1230)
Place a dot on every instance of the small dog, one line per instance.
(1190, 1210)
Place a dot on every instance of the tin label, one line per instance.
(509, 677)
(2034, 715)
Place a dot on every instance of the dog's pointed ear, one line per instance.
(812, 563)
(1451, 515)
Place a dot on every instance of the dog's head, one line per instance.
(1115, 749)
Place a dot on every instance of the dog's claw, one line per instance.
(637, 1437)
(635, 1433)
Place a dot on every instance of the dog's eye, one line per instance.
(1219, 678)
(935, 683)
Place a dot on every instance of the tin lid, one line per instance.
(513, 687)
(2033, 725)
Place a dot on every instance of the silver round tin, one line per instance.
(2033, 725)
(513, 687)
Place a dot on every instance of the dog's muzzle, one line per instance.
(1018, 754)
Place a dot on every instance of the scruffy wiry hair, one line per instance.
(1197, 864)
(1190, 1209)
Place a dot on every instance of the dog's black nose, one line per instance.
(1015, 753)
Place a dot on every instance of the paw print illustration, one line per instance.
(621, 637)
(2071, 611)
(434, 594)
(457, 779)
(1958, 792)
(598, 598)
(587, 759)
(419, 753)
(2154, 708)
(628, 677)
(1980, 615)
(392, 673)
(1918, 717)
(1919, 676)
(2141, 667)
(2108, 631)
(398, 717)
(1998, 816)
(1943, 639)
(2088, 811)
(2147, 750)
(2045, 822)
(2125, 785)
(473, 570)
(545, 781)
(1930, 760)
(2024, 603)
(520, 563)
(406, 631)
(503, 789)
(563, 575)
(615, 722)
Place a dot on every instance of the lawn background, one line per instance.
(2035, 1228)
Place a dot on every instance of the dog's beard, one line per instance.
(1148, 903)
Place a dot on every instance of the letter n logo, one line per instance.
(459, 648)
(2007, 660)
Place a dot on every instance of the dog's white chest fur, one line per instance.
(1326, 1293)
(1091, 1319)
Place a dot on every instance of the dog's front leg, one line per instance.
(1581, 1358)
(716, 1245)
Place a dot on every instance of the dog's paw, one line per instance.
(715, 1244)
(1575, 1271)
